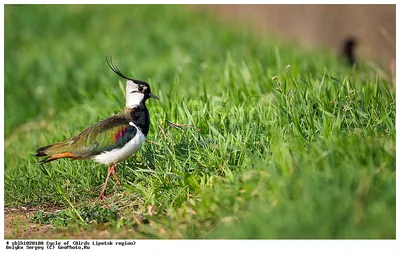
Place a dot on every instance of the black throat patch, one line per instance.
(141, 118)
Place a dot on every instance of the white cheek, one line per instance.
(133, 99)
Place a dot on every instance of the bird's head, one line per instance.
(136, 91)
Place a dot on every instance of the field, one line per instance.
(271, 141)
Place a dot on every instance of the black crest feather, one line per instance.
(114, 68)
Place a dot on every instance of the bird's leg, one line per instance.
(114, 173)
(110, 170)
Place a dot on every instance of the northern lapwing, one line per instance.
(348, 50)
(112, 140)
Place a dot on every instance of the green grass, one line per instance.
(269, 150)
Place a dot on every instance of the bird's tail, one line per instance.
(55, 151)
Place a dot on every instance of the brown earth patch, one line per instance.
(18, 225)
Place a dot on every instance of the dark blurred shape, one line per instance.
(348, 50)
(323, 25)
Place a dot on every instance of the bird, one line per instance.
(111, 140)
(348, 50)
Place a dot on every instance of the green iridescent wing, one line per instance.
(110, 133)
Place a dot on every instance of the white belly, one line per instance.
(120, 154)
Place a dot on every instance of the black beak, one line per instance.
(151, 95)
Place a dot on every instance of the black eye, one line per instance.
(140, 88)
